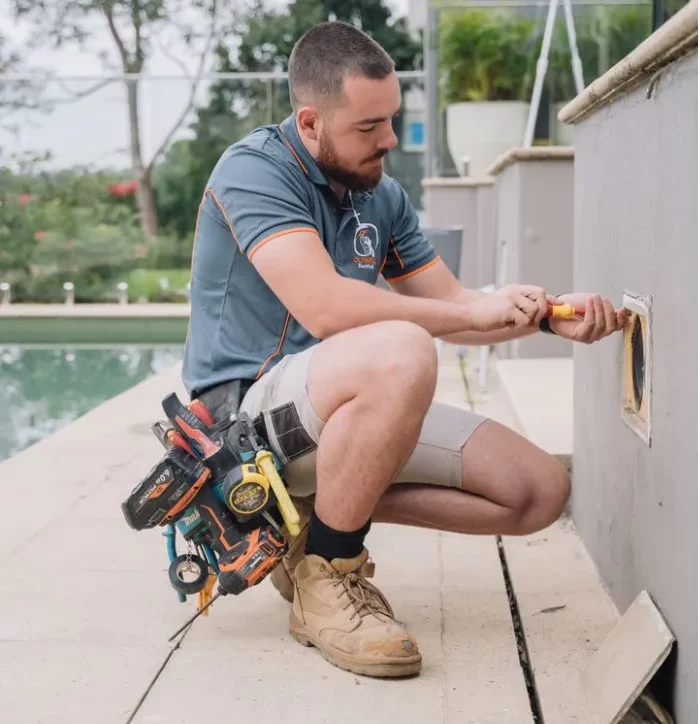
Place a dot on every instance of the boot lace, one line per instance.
(363, 595)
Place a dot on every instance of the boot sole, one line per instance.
(383, 670)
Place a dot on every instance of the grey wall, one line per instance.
(458, 203)
(486, 236)
(636, 228)
(534, 220)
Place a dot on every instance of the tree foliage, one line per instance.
(137, 28)
(65, 226)
(262, 43)
(68, 226)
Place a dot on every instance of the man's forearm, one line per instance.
(473, 338)
(351, 303)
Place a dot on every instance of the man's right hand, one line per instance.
(512, 307)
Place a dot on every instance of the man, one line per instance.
(295, 226)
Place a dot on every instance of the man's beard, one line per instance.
(330, 163)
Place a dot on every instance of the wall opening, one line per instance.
(636, 374)
(638, 354)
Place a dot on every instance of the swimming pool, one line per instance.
(45, 387)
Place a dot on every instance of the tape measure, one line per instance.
(246, 491)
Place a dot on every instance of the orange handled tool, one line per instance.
(564, 311)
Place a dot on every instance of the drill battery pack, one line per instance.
(166, 491)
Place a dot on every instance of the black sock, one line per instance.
(329, 543)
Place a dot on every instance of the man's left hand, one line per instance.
(600, 320)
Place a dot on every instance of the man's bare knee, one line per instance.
(405, 351)
(549, 492)
(387, 359)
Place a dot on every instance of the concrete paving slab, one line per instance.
(107, 608)
(483, 680)
(566, 614)
(77, 642)
(73, 683)
(450, 387)
(542, 395)
(159, 310)
(300, 688)
(106, 547)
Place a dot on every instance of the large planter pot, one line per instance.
(562, 133)
(481, 132)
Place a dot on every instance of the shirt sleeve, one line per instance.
(409, 251)
(259, 199)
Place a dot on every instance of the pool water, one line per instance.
(43, 389)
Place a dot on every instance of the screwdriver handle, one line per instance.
(564, 311)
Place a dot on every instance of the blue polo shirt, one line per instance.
(262, 188)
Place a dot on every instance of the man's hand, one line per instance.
(601, 318)
(515, 306)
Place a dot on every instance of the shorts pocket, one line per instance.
(293, 441)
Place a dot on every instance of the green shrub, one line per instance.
(487, 56)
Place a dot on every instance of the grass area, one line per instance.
(158, 285)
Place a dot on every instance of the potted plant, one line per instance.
(488, 61)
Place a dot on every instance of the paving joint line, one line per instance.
(520, 638)
(516, 619)
(157, 675)
(445, 692)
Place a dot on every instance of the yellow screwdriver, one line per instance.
(564, 311)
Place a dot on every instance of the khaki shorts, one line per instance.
(279, 400)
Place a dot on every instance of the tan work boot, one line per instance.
(282, 576)
(337, 610)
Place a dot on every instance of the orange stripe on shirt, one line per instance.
(228, 221)
(196, 227)
(279, 347)
(280, 233)
(194, 244)
(432, 262)
(396, 251)
(294, 152)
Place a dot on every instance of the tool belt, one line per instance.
(220, 487)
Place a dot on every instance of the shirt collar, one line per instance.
(290, 135)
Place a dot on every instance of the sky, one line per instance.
(94, 130)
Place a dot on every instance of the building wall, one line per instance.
(458, 203)
(635, 505)
(534, 230)
(486, 236)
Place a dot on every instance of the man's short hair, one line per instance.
(327, 54)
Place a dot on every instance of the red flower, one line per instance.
(125, 188)
(24, 199)
(39, 235)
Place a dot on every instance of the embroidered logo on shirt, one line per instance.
(366, 243)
